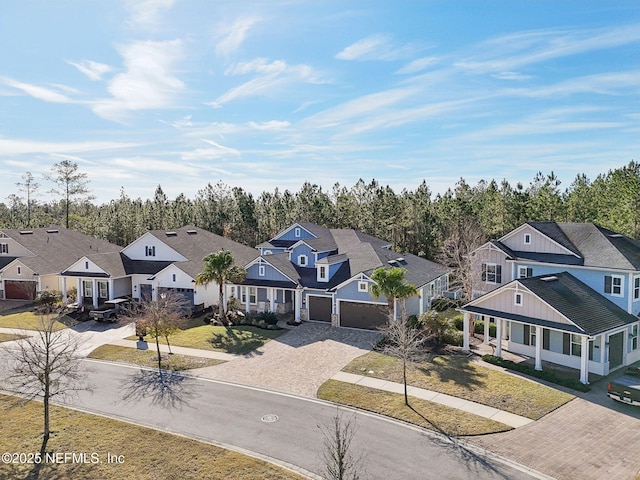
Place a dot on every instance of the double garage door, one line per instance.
(186, 293)
(19, 290)
(352, 314)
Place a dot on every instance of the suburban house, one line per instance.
(566, 293)
(324, 275)
(32, 261)
(161, 261)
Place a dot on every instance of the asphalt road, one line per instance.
(233, 415)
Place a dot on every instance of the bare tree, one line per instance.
(71, 183)
(403, 341)
(339, 460)
(28, 186)
(160, 318)
(45, 365)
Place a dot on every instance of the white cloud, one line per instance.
(216, 151)
(418, 65)
(376, 47)
(148, 82)
(271, 125)
(18, 146)
(510, 76)
(146, 13)
(35, 91)
(232, 36)
(93, 70)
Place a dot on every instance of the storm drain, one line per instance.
(270, 418)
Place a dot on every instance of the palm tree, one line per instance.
(219, 267)
(391, 283)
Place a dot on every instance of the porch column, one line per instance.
(465, 331)
(499, 337)
(64, 290)
(247, 298)
(79, 292)
(486, 329)
(271, 300)
(110, 293)
(298, 304)
(538, 347)
(94, 291)
(584, 360)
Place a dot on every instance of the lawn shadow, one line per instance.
(168, 389)
(456, 369)
(231, 342)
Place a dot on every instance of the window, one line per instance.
(322, 273)
(613, 284)
(432, 290)
(173, 277)
(636, 288)
(252, 292)
(150, 251)
(4, 248)
(103, 289)
(517, 299)
(633, 337)
(525, 272)
(268, 252)
(530, 335)
(19, 269)
(527, 239)
(546, 339)
(261, 270)
(571, 344)
(87, 287)
(296, 232)
(363, 287)
(302, 260)
(491, 273)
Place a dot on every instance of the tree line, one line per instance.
(414, 221)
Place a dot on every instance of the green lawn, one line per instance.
(28, 320)
(426, 414)
(239, 339)
(7, 337)
(463, 378)
(149, 358)
(147, 454)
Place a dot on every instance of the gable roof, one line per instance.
(55, 247)
(586, 309)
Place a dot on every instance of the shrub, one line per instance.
(269, 317)
(453, 337)
(435, 324)
(479, 328)
(414, 322)
(546, 375)
(458, 322)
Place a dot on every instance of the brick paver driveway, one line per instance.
(297, 362)
(590, 438)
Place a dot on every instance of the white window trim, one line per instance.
(520, 270)
(321, 277)
(495, 273)
(306, 260)
(87, 288)
(19, 270)
(516, 296)
(363, 286)
(527, 239)
(633, 337)
(267, 252)
(296, 232)
(246, 292)
(4, 248)
(103, 287)
(636, 288)
(614, 286)
(261, 270)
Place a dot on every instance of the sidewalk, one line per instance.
(485, 411)
(194, 352)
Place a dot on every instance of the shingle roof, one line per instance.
(590, 311)
(55, 247)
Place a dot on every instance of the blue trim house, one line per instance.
(567, 293)
(324, 275)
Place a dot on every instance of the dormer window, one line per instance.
(323, 273)
(150, 251)
(261, 270)
(296, 232)
(267, 252)
(613, 285)
(363, 286)
(302, 260)
(527, 239)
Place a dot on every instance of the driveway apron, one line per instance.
(297, 362)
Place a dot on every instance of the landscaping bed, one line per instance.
(149, 358)
(459, 376)
(142, 450)
(433, 416)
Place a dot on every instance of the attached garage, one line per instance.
(319, 308)
(19, 290)
(186, 293)
(363, 315)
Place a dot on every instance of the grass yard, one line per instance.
(460, 377)
(7, 337)
(27, 320)
(149, 358)
(147, 454)
(423, 413)
(239, 339)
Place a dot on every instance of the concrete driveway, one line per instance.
(297, 362)
(590, 438)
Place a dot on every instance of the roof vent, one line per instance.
(171, 234)
(26, 232)
(192, 232)
(616, 235)
(392, 262)
(549, 279)
(53, 231)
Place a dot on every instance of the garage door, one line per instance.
(19, 290)
(363, 315)
(185, 293)
(320, 308)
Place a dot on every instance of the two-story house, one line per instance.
(325, 274)
(567, 293)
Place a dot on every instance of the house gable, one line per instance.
(150, 247)
(261, 269)
(358, 288)
(12, 248)
(84, 266)
(526, 238)
(17, 270)
(294, 233)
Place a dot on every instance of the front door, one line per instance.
(616, 345)
(145, 292)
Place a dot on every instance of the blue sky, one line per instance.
(263, 94)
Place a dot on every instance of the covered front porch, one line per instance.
(265, 298)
